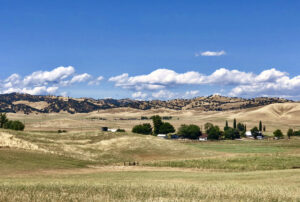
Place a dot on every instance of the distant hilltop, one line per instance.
(16, 102)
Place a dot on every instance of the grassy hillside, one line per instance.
(88, 166)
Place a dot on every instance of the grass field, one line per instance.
(85, 164)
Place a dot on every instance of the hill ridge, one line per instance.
(18, 102)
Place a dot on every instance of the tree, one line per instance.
(14, 125)
(156, 123)
(260, 126)
(290, 133)
(255, 132)
(207, 126)
(234, 123)
(166, 128)
(145, 129)
(189, 131)
(3, 119)
(231, 134)
(278, 134)
(241, 127)
(264, 128)
(226, 125)
(213, 133)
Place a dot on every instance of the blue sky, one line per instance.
(46, 44)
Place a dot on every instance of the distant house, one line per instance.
(260, 136)
(203, 137)
(164, 136)
(248, 134)
(112, 130)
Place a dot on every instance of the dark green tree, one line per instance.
(255, 132)
(260, 126)
(264, 128)
(145, 129)
(290, 133)
(14, 125)
(226, 125)
(157, 122)
(213, 133)
(278, 134)
(241, 127)
(3, 119)
(207, 126)
(189, 131)
(166, 128)
(234, 123)
(231, 134)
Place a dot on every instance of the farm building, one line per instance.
(162, 136)
(203, 137)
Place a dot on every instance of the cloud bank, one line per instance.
(270, 82)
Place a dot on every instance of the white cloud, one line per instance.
(163, 94)
(211, 53)
(162, 78)
(139, 95)
(45, 77)
(80, 78)
(96, 81)
(39, 90)
(44, 82)
(192, 93)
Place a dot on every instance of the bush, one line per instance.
(166, 128)
(121, 130)
(278, 134)
(145, 129)
(61, 131)
(189, 131)
(14, 125)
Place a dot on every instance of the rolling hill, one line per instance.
(26, 103)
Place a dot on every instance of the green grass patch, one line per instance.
(13, 160)
(243, 163)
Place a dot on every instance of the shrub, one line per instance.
(166, 128)
(189, 131)
(121, 130)
(61, 131)
(14, 125)
(145, 129)
(278, 134)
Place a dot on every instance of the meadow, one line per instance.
(86, 164)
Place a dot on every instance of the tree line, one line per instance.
(9, 124)
(213, 132)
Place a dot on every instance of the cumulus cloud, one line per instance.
(270, 82)
(43, 82)
(211, 53)
(96, 81)
(163, 94)
(139, 95)
(162, 78)
(192, 93)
